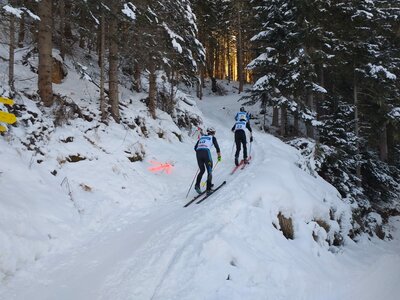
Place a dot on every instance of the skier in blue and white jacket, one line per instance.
(241, 113)
(204, 159)
(240, 137)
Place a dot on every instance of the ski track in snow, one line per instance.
(168, 252)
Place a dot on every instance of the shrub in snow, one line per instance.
(286, 226)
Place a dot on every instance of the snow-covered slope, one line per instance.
(80, 220)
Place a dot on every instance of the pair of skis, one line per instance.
(241, 165)
(204, 193)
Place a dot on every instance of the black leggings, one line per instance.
(240, 139)
(204, 161)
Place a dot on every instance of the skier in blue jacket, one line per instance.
(242, 112)
(240, 137)
(204, 159)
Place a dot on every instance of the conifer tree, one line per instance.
(45, 45)
(283, 68)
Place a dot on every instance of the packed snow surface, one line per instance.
(108, 228)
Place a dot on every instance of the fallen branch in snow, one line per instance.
(66, 182)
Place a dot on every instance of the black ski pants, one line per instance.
(205, 162)
(240, 139)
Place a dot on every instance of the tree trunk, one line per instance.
(240, 50)
(391, 132)
(264, 108)
(11, 54)
(113, 63)
(356, 130)
(214, 86)
(45, 56)
(210, 60)
(228, 58)
(275, 117)
(137, 77)
(283, 121)
(217, 69)
(67, 25)
(21, 31)
(202, 76)
(171, 96)
(322, 83)
(199, 88)
(296, 125)
(62, 28)
(383, 145)
(101, 63)
(310, 105)
(152, 88)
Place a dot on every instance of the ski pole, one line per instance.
(215, 165)
(192, 182)
(233, 144)
(250, 148)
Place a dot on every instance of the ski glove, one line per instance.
(219, 158)
(251, 139)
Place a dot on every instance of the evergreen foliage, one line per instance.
(335, 65)
(338, 150)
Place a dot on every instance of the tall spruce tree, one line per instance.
(284, 68)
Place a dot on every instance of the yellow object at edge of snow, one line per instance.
(7, 117)
(6, 101)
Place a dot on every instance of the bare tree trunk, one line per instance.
(322, 83)
(45, 56)
(283, 121)
(296, 125)
(356, 130)
(62, 28)
(113, 64)
(240, 50)
(152, 88)
(223, 57)
(171, 96)
(21, 31)
(11, 60)
(201, 83)
(137, 77)
(214, 86)
(228, 58)
(101, 62)
(310, 104)
(202, 70)
(275, 117)
(217, 61)
(202, 76)
(390, 133)
(264, 108)
(319, 101)
(199, 88)
(210, 60)
(383, 145)
(67, 26)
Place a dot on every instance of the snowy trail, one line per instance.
(224, 248)
(82, 273)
